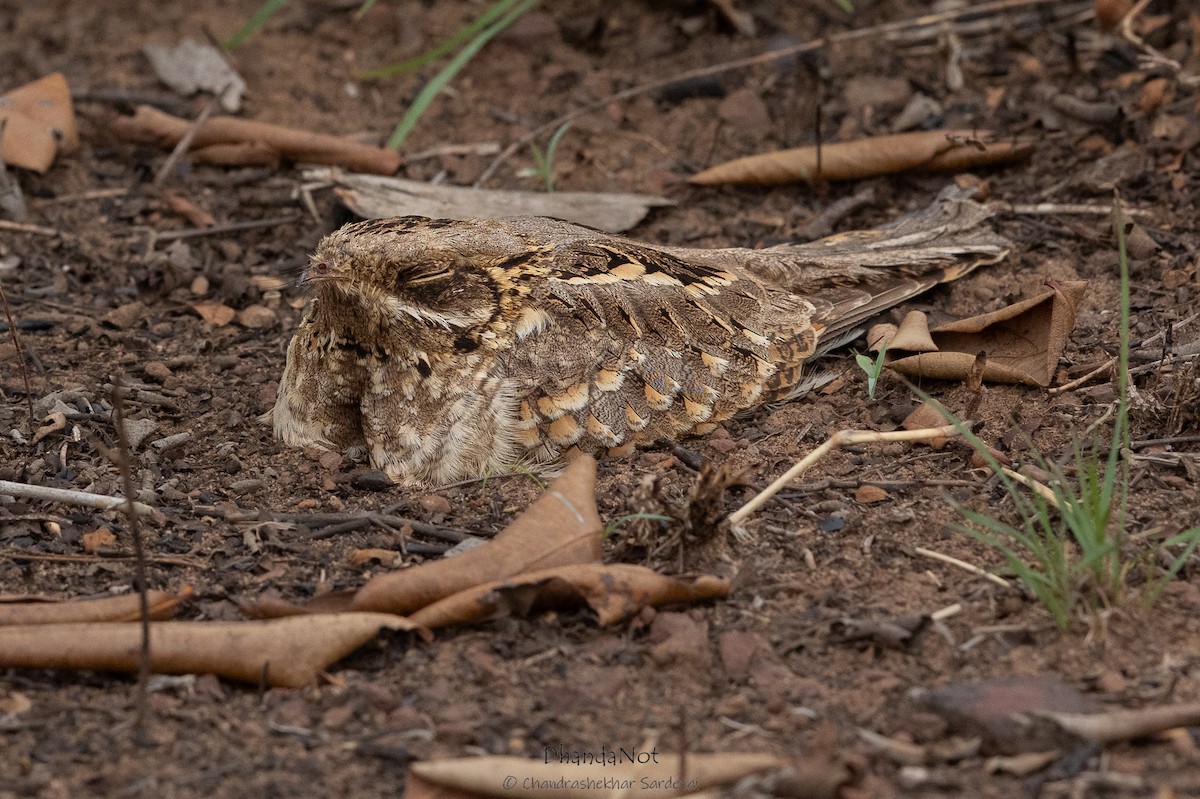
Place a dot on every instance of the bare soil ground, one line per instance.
(770, 669)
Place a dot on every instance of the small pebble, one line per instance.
(157, 371)
(867, 494)
(434, 504)
(138, 430)
(125, 316)
(171, 441)
(256, 317)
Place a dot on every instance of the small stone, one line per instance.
(256, 317)
(831, 524)
(248, 486)
(868, 494)
(877, 91)
(371, 480)
(138, 430)
(125, 316)
(745, 109)
(157, 371)
(1139, 244)
(737, 650)
(1112, 682)
(199, 286)
(434, 504)
(170, 442)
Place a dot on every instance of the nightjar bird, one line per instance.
(452, 349)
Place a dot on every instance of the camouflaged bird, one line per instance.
(454, 349)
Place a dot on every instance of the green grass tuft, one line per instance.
(1070, 550)
(511, 11)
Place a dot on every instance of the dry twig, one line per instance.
(71, 497)
(962, 564)
(12, 332)
(837, 441)
(139, 554)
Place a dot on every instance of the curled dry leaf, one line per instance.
(561, 528)
(653, 774)
(932, 150)
(614, 591)
(163, 605)
(151, 125)
(40, 123)
(375, 197)
(284, 652)
(54, 422)
(1022, 342)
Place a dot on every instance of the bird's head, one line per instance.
(431, 272)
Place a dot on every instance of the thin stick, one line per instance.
(22, 227)
(837, 441)
(962, 564)
(1050, 209)
(16, 340)
(71, 497)
(754, 60)
(139, 554)
(83, 196)
(946, 612)
(1079, 381)
(184, 143)
(1156, 442)
(232, 227)
(12, 202)
(166, 560)
(1033, 485)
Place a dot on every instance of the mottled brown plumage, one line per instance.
(451, 349)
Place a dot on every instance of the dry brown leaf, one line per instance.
(1022, 342)
(614, 591)
(930, 150)
(559, 529)
(374, 197)
(153, 126)
(567, 778)
(98, 539)
(283, 652)
(912, 335)
(163, 605)
(54, 422)
(40, 123)
(215, 313)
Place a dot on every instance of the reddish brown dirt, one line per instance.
(102, 299)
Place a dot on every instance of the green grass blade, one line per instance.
(439, 81)
(448, 46)
(257, 21)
